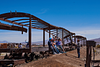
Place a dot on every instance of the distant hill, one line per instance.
(4, 41)
(97, 40)
(37, 43)
(40, 42)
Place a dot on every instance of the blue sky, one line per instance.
(79, 16)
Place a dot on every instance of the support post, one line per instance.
(85, 42)
(30, 33)
(57, 33)
(89, 44)
(71, 41)
(43, 37)
(49, 33)
(90, 54)
(74, 39)
(22, 28)
(82, 41)
(62, 38)
(87, 57)
(93, 55)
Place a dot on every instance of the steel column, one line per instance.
(70, 40)
(30, 33)
(74, 39)
(22, 30)
(82, 41)
(88, 56)
(49, 33)
(93, 55)
(43, 37)
(57, 32)
(62, 39)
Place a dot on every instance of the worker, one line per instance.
(54, 46)
(78, 48)
(60, 44)
(20, 45)
(50, 45)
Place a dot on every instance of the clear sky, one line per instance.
(79, 16)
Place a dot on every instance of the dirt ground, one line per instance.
(1, 57)
(68, 59)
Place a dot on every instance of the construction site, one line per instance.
(41, 56)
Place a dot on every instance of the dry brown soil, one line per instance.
(68, 59)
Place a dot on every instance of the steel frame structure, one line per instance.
(20, 21)
(81, 38)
